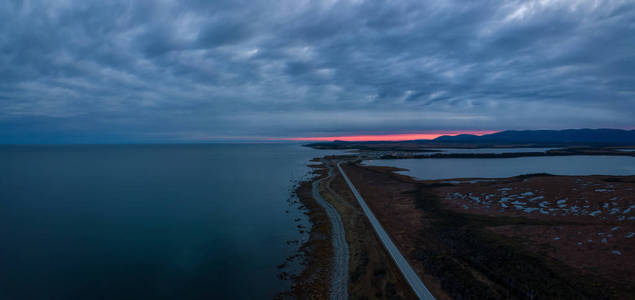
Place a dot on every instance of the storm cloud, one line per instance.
(125, 71)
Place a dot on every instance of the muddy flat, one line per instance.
(519, 237)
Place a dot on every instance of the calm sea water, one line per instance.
(147, 221)
(490, 150)
(445, 168)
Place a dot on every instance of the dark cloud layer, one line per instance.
(90, 71)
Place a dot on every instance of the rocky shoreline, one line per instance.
(315, 254)
(372, 274)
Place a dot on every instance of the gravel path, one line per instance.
(339, 283)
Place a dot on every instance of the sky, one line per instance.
(186, 71)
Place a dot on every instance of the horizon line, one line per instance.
(389, 137)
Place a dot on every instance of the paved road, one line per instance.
(415, 283)
(339, 281)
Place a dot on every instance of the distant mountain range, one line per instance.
(508, 138)
(569, 136)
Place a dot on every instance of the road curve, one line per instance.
(339, 281)
(415, 283)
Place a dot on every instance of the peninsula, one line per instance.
(526, 236)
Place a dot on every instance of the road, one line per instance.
(415, 283)
(339, 281)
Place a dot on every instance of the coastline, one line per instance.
(437, 237)
(398, 152)
(340, 262)
(371, 272)
(315, 254)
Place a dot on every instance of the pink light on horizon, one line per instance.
(389, 137)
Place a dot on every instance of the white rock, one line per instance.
(597, 212)
(537, 198)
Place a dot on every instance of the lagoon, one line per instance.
(490, 150)
(446, 168)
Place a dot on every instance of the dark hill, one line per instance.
(509, 138)
(569, 136)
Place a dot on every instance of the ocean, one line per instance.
(200, 221)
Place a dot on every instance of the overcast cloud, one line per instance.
(89, 71)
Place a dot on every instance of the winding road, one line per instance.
(415, 282)
(339, 281)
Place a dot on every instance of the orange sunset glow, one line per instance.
(390, 137)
